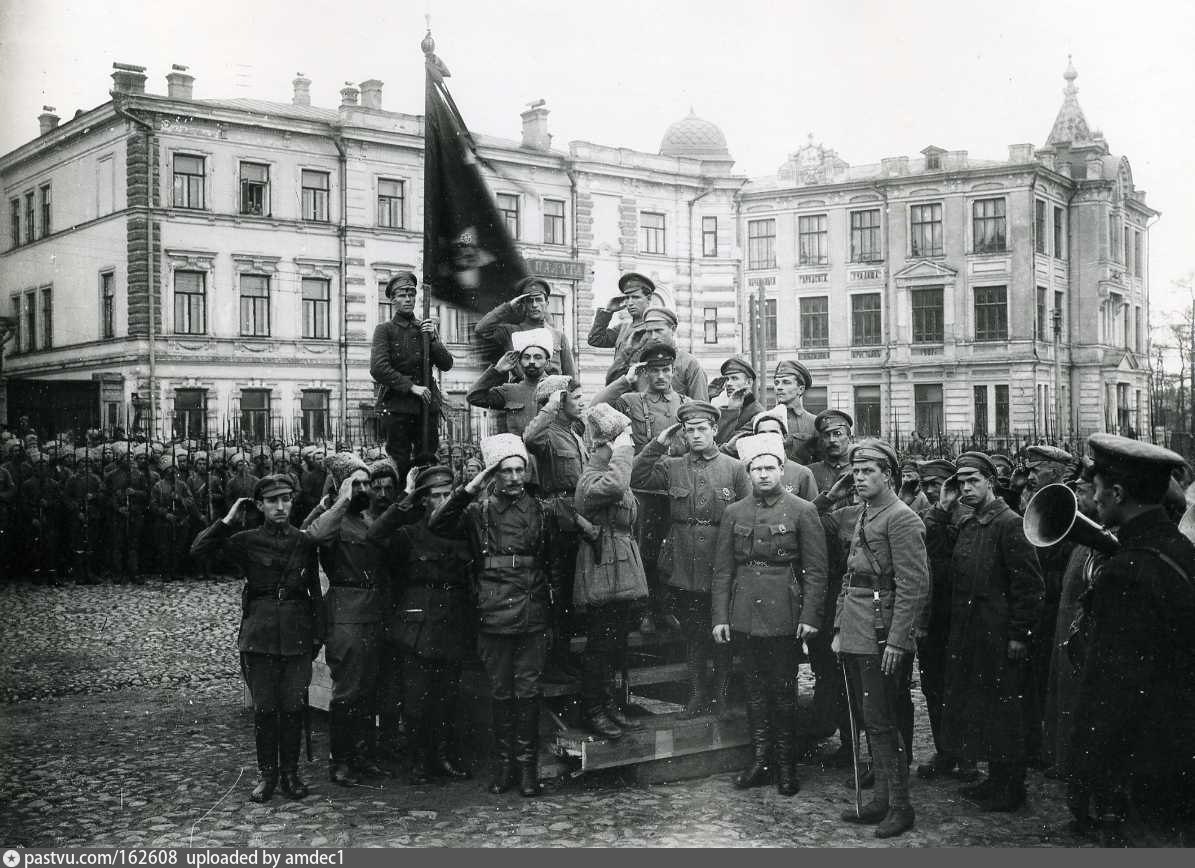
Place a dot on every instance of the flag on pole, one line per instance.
(469, 258)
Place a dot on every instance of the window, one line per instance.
(1039, 226)
(557, 312)
(770, 335)
(255, 305)
(255, 414)
(927, 409)
(761, 243)
(315, 196)
(1002, 409)
(385, 305)
(46, 223)
(1138, 344)
(1042, 329)
(709, 236)
(105, 186)
(47, 318)
(651, 232)
(925, 229)
(19, 343)
(107, 302)
(711, 325)
(1059, 237)
(981, 410)
(190, 303)
(314, 404)
(14, 222)
(31, 321)
(865, 236)
(1113, 237)
(813, 243)
(816, 399)
(30, 220)
(553, 221)
(255, 189)
(991, 313)
(1123, 419)
(815, 322)
(391, 196)
(867, 411)
(1057, 324)
(927, 315)
(865, 320)
(988, 225)
(508, 207)
(1138, 263)
(188, 181)
(933, 162)
(315, 308)
(190, 414)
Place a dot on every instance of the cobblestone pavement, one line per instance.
(122, 725)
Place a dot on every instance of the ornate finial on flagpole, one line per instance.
(428, 44)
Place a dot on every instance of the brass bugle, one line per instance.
(1053, 516)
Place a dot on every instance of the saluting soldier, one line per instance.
(791, 380)
(659, 326)
(1136, 708)
(741, 407)
(429, 615)
(995, 604)
(700, 485)
(526, 311)
(280, 632)
(396, 364)
(509, 534)
(768, 584)
(635, 294)
(910, 486)
(515, 399)
(880, 607)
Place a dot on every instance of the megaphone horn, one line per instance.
(1052, 516)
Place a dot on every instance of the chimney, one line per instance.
(47, 119)
(127, 78)
(535, 127)
(371, 94)
(1020, 153)
(180, 85)
(302, 89)
(894, 166)
(348, 95)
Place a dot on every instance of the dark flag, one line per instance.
(469, 258)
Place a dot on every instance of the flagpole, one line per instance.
(428, 45)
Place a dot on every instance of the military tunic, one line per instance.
(650, 412)
(799, 480)
(515, 399)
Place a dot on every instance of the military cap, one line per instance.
(660, 314)
(938, 468)
(697, 411)
(631, 277)
(532, 284)
(401, 280)
(499, 447)
(605, 423)
(553, 383)
(737, 366)
(275, 483)
(976, 461)
(832, 417)
(657, 353)
(1123, 455)
(874, 449)
(1050, 454)
(1002, 463)
(788, 368)
(437, 474)
(779, 413)
(754, 445)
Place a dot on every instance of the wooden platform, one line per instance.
(664, 737)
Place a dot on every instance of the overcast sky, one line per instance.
(867, 77)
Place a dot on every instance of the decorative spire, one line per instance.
(1070, 126)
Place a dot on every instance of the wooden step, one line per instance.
(664, 737)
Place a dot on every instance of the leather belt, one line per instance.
(766, 564)
(495, 562)
(852, 579)
(703, 522)
(280, 593)
(352, 586)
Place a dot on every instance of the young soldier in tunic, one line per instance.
(768, 584)
(280, 630)
(508, 533)
(741, 406)
(700, 486)
(791, 381)
(635, 293)
(884, 592)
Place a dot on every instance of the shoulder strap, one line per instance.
(861, 537)
(1164, 558)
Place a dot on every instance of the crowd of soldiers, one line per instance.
(768, 535)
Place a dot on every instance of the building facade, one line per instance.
(920, 292)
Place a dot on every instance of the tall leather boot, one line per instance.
(290, 735)
(365, 748)
(527, 746)
(759, 726)
(785, 735)
(419, 741)
(446, 761)
(340, 739)
(265, 733)
(626, 724)
(502, 713)
(723, 669)
(1008, 790)
(894, 767)
(695, 658)
(877, 809)
(593, 697)
(390, 739)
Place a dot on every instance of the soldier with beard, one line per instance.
(741, 406)
(494, 390)
(659, 327)
(526, 312)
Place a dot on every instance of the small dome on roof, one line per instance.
(694, 137)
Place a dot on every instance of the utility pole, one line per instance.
(1060, 430)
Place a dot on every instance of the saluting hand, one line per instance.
(478, 482)
(668, 433)
(949, 495)
(238, 510)
(616, 304)
(345, 493)
(633, 373)
(842, 489)
(507, 363)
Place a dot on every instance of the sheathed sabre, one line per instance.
(850, 710)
